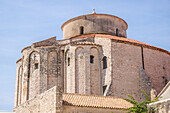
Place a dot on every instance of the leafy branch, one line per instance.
(140, 107)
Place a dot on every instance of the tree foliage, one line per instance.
(140, 107)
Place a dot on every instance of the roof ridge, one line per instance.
(96, 101)
(54, 37)
(91, 95)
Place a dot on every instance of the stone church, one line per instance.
(91, 70)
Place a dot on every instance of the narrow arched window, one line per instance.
(104, 62)
(68, 61)
(91, 59)
(81, 30)
(117, 32)
(36, 66)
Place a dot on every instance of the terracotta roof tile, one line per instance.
(95, 101)
(84, 43)
(126, 40)
(123, 40)
(52, 38)
(83, 36)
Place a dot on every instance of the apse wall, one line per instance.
(39, 69)
(127, 60)
(157, 67)
(83, 69)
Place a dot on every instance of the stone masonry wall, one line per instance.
(95, 24)
(95, 72)
(106, 52)
(33, 75)
(74, 109)
(25, 71)
(69, 66)
(52, 69)
(35, 70)
(161, 106)
(145, 85)
(126, 62)
(157, 67)
(48, 102)
(79, 77)
(69, 69)
(18, 82)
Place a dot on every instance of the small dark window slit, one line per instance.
(36, 65)
(81, 30)
(91, 59)
(104, 62)
(68, 61)
(104, 88)
(117, 32)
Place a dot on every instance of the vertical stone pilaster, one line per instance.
(144, 84)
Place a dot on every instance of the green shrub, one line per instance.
(140, 107)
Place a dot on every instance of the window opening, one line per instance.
(36, 65)
(165, 80)
(68, 61)
(104, 62)
(117, 32)
(91, 59)
(81, 30)
(104, 88)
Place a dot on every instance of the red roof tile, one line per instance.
(95, 101)
(122, 40)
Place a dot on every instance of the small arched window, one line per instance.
(68, 61)
(104, 62)
(91, 59)
(117, 32)
(36, 66)
(81, 30)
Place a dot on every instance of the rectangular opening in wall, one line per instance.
(104, 88)
(117, 32)
(143, 66)
(68, 61)
(104, 62)
(81, 30)
(91, 59)
(36, 65)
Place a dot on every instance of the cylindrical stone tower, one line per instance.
(94, 24)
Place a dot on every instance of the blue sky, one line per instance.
(23, 22)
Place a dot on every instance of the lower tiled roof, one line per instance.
(95, 101)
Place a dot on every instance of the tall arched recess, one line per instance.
(67, 77)
(95, 73)
(19, 87)
(33, 75)
(52, 69)
(80, 78)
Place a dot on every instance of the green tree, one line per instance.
(141, 107)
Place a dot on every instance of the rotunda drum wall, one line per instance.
(94, 24)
